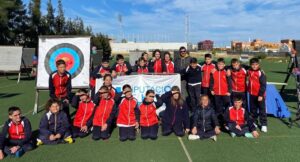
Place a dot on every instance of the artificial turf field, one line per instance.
(281, 143)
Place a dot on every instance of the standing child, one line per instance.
(60, 86)
(176, 116)
(54, 126)
(148, 118)
(205, 121)
(221, 89)
(238, 79)
(238, 121)
(84, 116)
(15, 138)
(104, 115)
(157, 65)
(170, 68)
(141, 67)
(121, 67)
(206, 68)
(127, 115)
(193, 78)
(257, 84)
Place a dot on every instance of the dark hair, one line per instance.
(221, 60)
(208, 55)
(167, 53)
(181, 48)
(234, 60)
(193, 60)
(143, 54)
(104, 88)
(254, 60)
(107, 75)
(60, 62)
(105, 60)
(50, 102)
(141, 59)
(12, 109)
(237, 98)
(119, 57)
(149, 92)
(126, 86)
(157, 50)
(82, 90)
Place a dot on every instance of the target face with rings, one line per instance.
(70, 53)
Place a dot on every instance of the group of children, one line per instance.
(217, 97)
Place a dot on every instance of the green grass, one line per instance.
(279, 144)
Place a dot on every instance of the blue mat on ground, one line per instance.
(275, 104)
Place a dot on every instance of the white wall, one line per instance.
(131, 46)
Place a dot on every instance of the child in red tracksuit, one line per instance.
(238, 74)
(170, 68)
(128, 113)
(60, 86)
(84, 116)
(121, 67)
(206, 68)
(148, 117)
(157, 64)
(257, 84)
(238, 121)
(141, 67)
(15, 138)
(220, 88)
(104, 115)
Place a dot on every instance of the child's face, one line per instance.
(127, 92)
(150, 97)
(54, 108)
(167, 58)
(238, 104)
(193, 65)
(61, 68)
(157, 55)
(208, 60)
(107, 81)
(105, 64)
(236, 65)
(255, 66)
(83, 97)
(204, 101)
(15, 116)
(221, 65)
(120, 61)
(176, 96)
(103, 93)
(145, 56)
(142, 63)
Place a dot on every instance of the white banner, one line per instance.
(75, 51)
(141, 83)
(11, 58)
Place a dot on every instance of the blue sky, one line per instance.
(164, 20)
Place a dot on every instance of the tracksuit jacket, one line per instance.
(60, 86)
(121, 68)
(84, 113)
(147, 112)
(128, 112)
(257, 82)
(205, 119)
(220, 83)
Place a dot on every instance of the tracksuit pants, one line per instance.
(244, 97)
(149, 132)
(65, 107)
(205, 134)
(98, 134)
(239, 133)
(221, 104)
(10, 143)
(258, 109)
(45, 138)
(194, 93)
(77, 133)
(127, 133)
(177, 128)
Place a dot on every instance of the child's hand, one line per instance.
(14, 149)
(52, 137)
(187, 130)
(84, 129)
(57, 136)
(227, 94)
(238, 127)
(212, 93)
(228, 72)
(255, 134)
(66, 101)
(194, 131)
(217, 130)
(137, 125)
(1, 155)
(213, 70)
(104, 127)
(260, 98)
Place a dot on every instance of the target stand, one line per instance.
(74, 50)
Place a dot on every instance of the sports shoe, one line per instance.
(264, 129)
(249, 135)
(193, 137)
(39, 142)
(214, 138)
(69, 140)
(232, 134)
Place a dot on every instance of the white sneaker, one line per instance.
(193, 137)
(214, 138)
(264, 129)
(232, 134)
